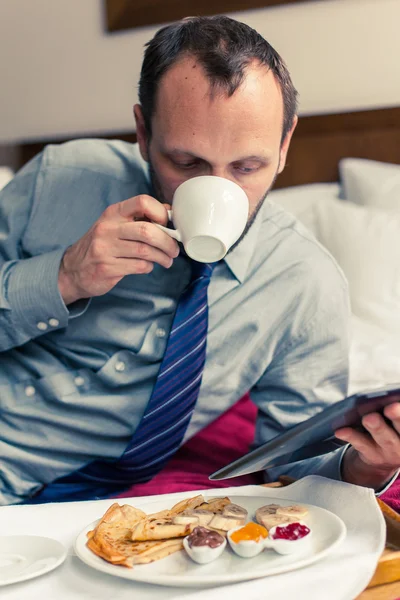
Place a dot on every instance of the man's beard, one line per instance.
(156, 186)
(157, 189)
(254, 214)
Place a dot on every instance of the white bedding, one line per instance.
(6, 175)
(362, 232)
(374, 356)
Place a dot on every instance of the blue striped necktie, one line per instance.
(168, 412)
(174, 396)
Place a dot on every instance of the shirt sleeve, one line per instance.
(388, 485)
(306, 375)
(382, 489)
(30, 301)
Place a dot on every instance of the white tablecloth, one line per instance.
(340, 576)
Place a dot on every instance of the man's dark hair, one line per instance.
(224, 48)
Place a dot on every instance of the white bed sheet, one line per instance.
(6, 174)
(374, 356)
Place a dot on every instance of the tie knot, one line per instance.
(200, 269)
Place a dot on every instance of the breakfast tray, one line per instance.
(388, 568)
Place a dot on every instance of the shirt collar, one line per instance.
(238, 260)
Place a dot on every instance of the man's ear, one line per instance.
(285, 145)
(141, 132)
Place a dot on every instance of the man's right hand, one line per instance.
(121, 242)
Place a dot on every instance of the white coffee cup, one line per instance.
(209, 214)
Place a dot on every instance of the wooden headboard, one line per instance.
(317, 146)
(319, 142)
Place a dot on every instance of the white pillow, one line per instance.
(366, 244)
(370, 183)
(374, 356)
(6, 175)
(299, 200)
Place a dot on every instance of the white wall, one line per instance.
(61, 75)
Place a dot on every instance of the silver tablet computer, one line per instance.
(314, 436)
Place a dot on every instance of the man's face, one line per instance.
(194, 133)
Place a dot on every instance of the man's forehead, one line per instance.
(183, 81)
(184, 103)
(187, 80)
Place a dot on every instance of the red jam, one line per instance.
(293, 531)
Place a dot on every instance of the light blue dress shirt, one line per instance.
(74, 381)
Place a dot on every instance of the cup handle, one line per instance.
(174, 233)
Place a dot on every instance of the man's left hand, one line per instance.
(373, 457)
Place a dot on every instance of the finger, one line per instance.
(143, 206)
(392, 412)
(381, 444)
(355, 438)
(149, 234)
(383, 434)
(142, 251)
(361, 442)
(131, 266)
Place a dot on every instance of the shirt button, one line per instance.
(54, 322)
(120, 366)
(30, 390)
(160, 332)
(41, 325)
(79, 380)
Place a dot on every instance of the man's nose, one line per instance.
(220, 172)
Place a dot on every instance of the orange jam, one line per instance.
(251, 531)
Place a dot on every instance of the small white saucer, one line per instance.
(23, 557)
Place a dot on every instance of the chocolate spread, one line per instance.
(201, 536)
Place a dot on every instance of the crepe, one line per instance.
(111, 539)
(215, 505)
(127, 536)
(159, 529)
(161, 525)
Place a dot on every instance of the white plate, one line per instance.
(23, 557)
(179, 570)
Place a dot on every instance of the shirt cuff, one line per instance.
(34, 297)
(388, 484)
(381, 490)
(327, 465)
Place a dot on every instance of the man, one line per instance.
(90, 286)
